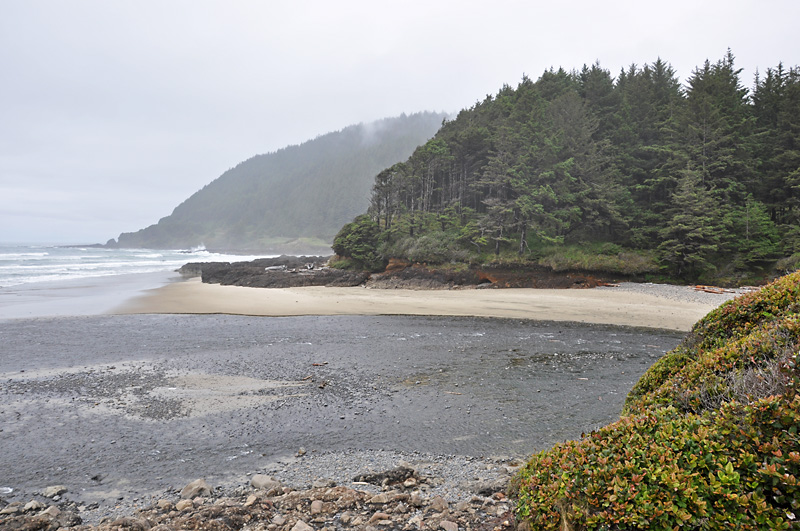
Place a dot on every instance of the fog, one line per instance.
(115, 112)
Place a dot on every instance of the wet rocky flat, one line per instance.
(120, 409)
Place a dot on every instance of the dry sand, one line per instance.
(646, 308)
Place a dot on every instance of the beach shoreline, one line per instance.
(124, 405)
(640, 305)
(79, 296)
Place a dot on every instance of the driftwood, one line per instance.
(713, 289)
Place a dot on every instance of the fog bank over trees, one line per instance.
(292, 200)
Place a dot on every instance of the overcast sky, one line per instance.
(113, 112)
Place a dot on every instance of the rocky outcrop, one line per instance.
(294, 271)
(280, 272)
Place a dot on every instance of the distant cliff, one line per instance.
(293, 200)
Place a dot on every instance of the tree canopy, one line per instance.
(703, 176)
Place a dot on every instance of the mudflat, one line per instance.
(118, 408)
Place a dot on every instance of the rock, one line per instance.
(33, 505)
(416, 521)
(196, 488)
(488, 488)
(250, 500)
(54, 490)
(184, 505)
(278, 520)
(322, 483)
(51, 512)
(380, 499)
(447, 525)
(131, 524)
(316, 506)
(265, 483)
(397, 475)
(12, 508)
(302, 526)
(378, 516)
(439, 504)
(164, 505)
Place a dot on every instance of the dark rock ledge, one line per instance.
(299, 271)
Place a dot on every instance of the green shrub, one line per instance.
(788, 264)
(735, 469)
(433, 248)
(358, 241)
(709, 441)
(604, 258)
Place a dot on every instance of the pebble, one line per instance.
(306, 509)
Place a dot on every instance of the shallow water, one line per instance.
(117, 406)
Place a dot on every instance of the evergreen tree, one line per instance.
(692, 235)
(716, 123)
(776, 108)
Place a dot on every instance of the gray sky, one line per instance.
(113, 112)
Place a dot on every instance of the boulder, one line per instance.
(264, 482)
(196, 488)
(54, 490)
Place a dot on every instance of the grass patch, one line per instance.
(602, 258)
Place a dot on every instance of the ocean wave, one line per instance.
(24, 264)
(27, 256)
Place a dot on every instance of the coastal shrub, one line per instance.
(358, 241)
(735, 469)
(755, 314)
(709, 439)
(737, 317)
(788, 264)
(433, 248)
(605, 258)
(743, 369)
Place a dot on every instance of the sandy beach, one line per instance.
(644, 305)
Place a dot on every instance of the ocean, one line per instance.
(39, 280)
(29, 263)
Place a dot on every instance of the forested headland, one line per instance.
(635, 173)
(293, 200)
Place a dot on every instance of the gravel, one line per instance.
(678, 293)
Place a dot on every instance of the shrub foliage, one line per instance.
(709, 437)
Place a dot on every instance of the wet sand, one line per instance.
(84, 296)
(117, 408)
(601, 306)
